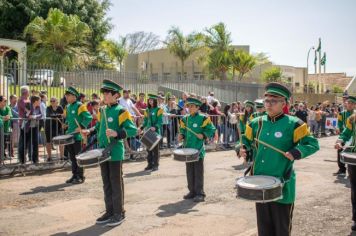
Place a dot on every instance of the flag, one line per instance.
(319, 46)
(323, 60)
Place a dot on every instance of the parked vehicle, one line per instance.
(45, 77)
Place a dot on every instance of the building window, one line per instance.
(297, 84)
(179, 77)
(166, 76)
(154, 76)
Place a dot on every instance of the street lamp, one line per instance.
(312, 48)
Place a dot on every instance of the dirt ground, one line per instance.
(44, 205)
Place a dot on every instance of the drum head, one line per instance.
(185, 151)
(91, 154)
(63, 137)
(258, 182)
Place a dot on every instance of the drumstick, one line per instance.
(190, 130)
(80, 130)
(270, 146)
(60, 121)
(106, 122)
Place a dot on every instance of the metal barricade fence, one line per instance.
(30, 141)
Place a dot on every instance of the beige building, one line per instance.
(327, 82)
(161, 63)
(295, 76)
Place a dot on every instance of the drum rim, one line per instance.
(277, 184)
(97, 149)
(155, 143)
(348, 154)
(262, 201)
(342, 159)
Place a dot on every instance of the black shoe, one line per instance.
(115, 220)
(104, 218)
(199, 198)
(69, 181)
(78, 180)
(154, 168)
(148, 168)
(190, 195)
(341, 172)
(353, 227)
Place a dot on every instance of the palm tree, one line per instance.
(182, 46)
(243, 63)
(59, 40)
(113, 52)
(218, 40)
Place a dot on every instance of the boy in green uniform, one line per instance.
(203, 128)
(288, 134)
(260, 109)
(349, 106)
(75, 113)
(347, 134)
(153, 119)
(114, 122)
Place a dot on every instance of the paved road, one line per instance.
(43, 205)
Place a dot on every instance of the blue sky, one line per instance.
(284, 29)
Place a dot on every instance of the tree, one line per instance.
(261, 58)
(243, 63)
(140, 41)
(15, 15)
(114, 52)
(273, 74)
(218, 40)
(182, 46)
(59, 40)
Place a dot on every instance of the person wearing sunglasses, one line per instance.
(288, 134)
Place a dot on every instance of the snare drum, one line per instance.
(348, 158)
(91, 158)
(259, 188)
(186, 154)
(150, 139)
(63, 139)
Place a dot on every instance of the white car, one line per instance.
(44, 77)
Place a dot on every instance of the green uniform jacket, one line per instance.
(243, 123)
(6, 124)
(117, 118)
(77, 111)
(257, 114)
(287, 133)
(348, 133)
(341, 119)
(153, 117)
(200, 124)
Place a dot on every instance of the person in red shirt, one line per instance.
(140, 104)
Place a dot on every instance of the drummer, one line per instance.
(201, 128)
(114, 122)
(260, 109)
(76, 114)
(347, 134)
(349, 106)
(286, 133)
(153, 118)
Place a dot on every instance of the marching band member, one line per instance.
(260, 109)
(349, 106)
(75, 113)
(203, 128)
(347, 134)
(114, 123)
(244, 118)
(286, 133)
(153, 118)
